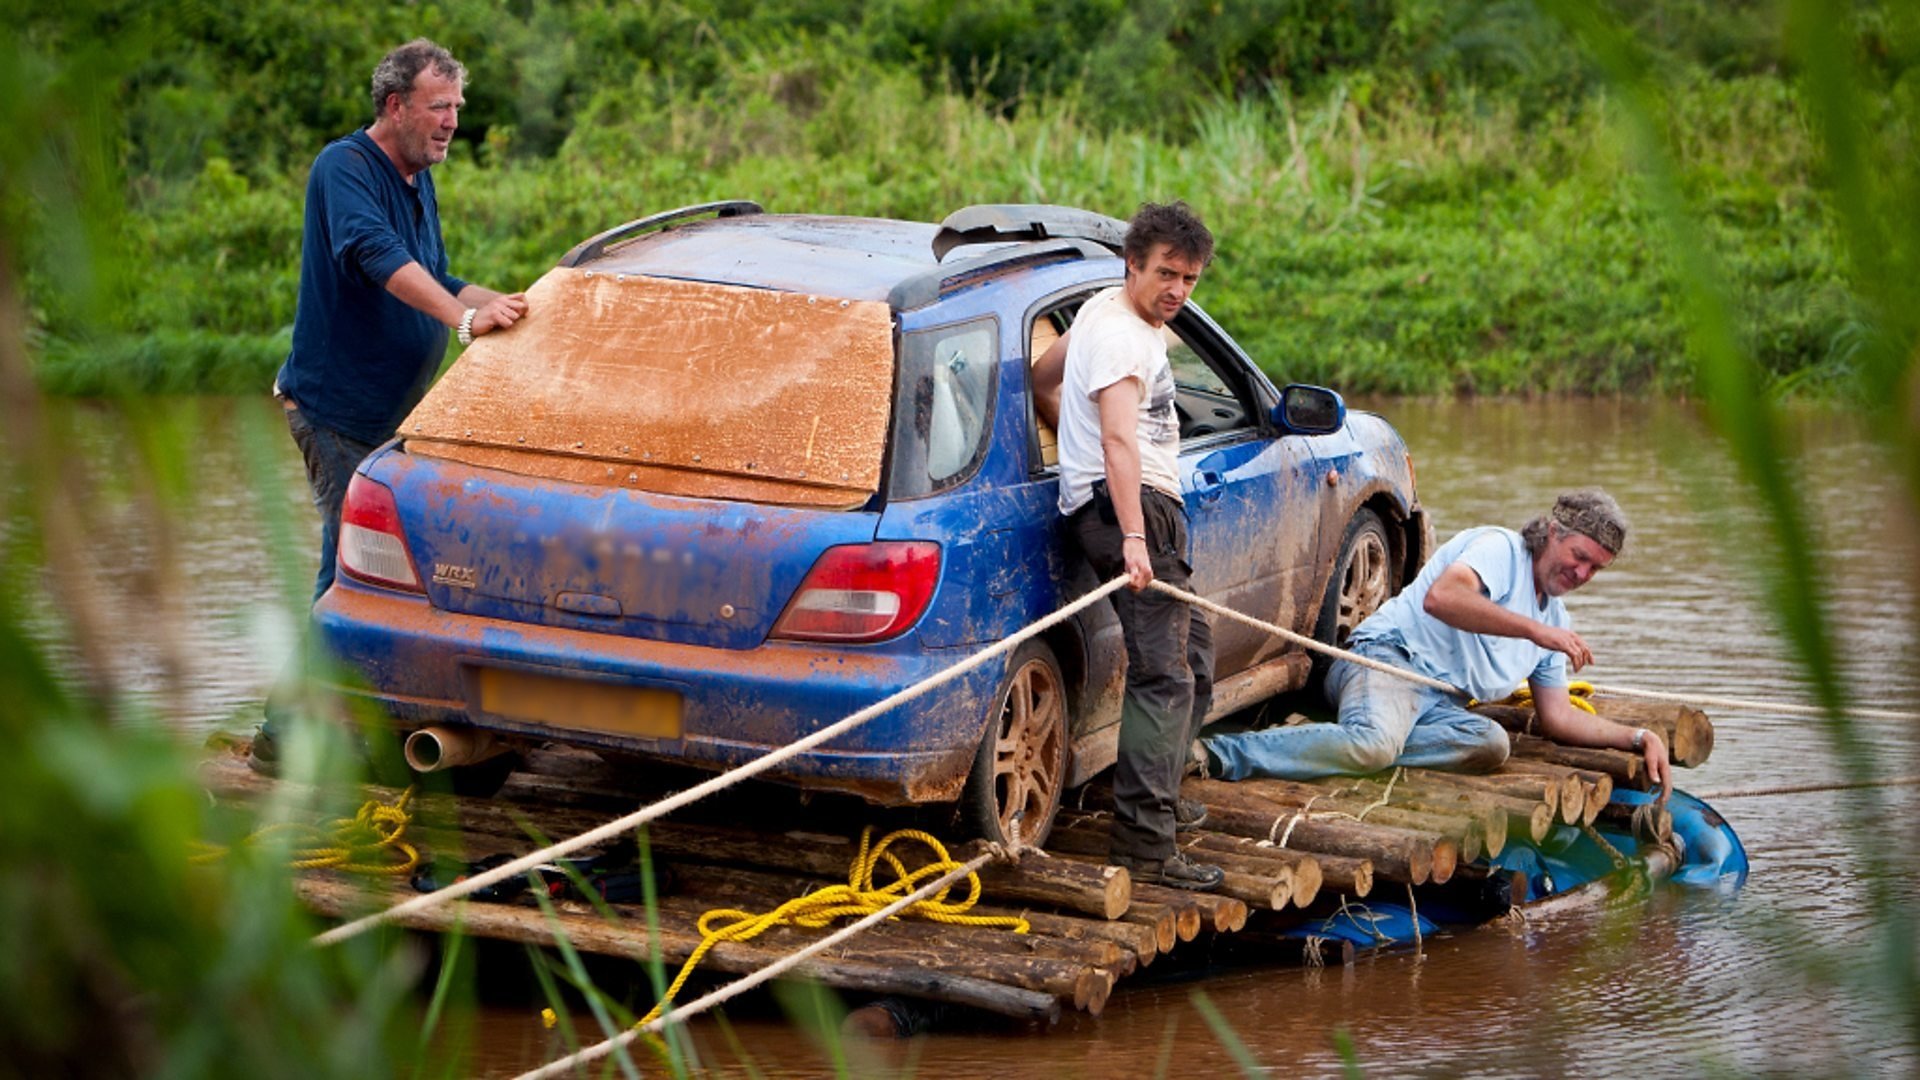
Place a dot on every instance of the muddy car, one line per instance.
(738, 475)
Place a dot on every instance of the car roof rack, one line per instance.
(923, 289)
(999, 223)
(594, 247)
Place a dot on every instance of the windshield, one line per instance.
(679, 387)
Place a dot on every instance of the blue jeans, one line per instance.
(330, 458)
(1384, 721)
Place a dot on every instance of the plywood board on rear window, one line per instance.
(679, 387)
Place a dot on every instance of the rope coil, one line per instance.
(376, 833)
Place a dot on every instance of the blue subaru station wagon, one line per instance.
(738, 475)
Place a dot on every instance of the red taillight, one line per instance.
(372, 545)
(862, 592)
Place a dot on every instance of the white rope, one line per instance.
(620, 826)
(1741, 704)
(1335, 651)
(742, 985)
(1748, 705)
(1804, 789)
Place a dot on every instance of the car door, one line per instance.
(1254, 496)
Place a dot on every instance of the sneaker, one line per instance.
(1188, 814)
(264, 756)
(1176, 871)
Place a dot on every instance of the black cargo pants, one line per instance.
(1169, 668)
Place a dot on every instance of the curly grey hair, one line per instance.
(397, 70)
(1591, 513)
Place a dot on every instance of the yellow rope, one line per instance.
(376, 832)
(1578, 691)
(859, 896)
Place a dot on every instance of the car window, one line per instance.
(1189, 370)
(945, 401)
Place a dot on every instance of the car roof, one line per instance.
(851, 257)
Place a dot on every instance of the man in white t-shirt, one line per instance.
(1119, 441)
(1483, 614)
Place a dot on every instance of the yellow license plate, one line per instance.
(574, 703)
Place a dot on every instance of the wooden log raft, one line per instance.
(1475, 828)
(335, 898)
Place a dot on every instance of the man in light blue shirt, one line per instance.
(1482, 615)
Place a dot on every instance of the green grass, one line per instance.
(1395, 249)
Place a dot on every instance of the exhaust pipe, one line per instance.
(433, 748)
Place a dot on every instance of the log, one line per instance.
(1658, 820)
(1624, 766)
(1353, 877)
(1185, 916)
(334, 898)
(1136, 939)
(1527, 818)
(1572, 793)
(1687, 732)
(1471, 833)
(1299, 875)
(1246, 886)
(1525, 787)
(1396, 854)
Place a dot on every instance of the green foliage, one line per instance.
(1423, 196)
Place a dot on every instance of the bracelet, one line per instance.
(465, 332)
(1133, 536)
(1639, 739)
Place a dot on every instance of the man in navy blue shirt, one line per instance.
(376, 300)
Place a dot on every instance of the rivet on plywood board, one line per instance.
(522, 438)
(696, 457)
(633, 478)
(579, 444)
(469, 433)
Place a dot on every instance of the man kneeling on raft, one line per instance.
(1483, 613)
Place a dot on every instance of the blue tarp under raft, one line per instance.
(1710, 856)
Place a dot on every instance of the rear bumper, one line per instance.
(421, 665)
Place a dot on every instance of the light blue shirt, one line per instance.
(1485, 665)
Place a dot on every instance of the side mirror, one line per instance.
(1309, 410)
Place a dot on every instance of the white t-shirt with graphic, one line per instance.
(1111, 342)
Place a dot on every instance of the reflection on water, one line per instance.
(1683, 983)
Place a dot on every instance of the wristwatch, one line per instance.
(465, 332)
(1639, 739)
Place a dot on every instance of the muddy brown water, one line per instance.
(1685, 982)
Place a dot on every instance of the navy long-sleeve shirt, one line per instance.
(362, 358)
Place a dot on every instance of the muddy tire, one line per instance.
(1364, 578)
(1021, 767)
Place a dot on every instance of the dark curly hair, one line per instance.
(1173, 224)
